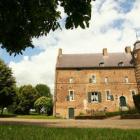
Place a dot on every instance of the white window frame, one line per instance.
(93, 80)
(70, 99)
(106, 80)
(71, 80)
(94, 96)
(109, 94)
(126, 79)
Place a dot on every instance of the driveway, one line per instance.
(107, 123)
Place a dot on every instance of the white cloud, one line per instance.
(41, 68)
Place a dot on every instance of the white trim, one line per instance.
(94, 81)
(106, 82)
(73, 95)
(71, 80)
(109, 94)
(97, 97)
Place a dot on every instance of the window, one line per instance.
(92, 79)
(94, 97)
(133, 92)
(121, 63)
(109, 95)
(101, 64)
(106, 79)
(71, 80)
(126, 79)
(71, 95)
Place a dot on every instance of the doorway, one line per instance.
(123, 101)
(71, 113)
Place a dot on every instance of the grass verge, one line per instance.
(21, 132)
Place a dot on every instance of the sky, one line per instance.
(113, 25)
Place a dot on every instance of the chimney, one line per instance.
(59, 52)
(128, 49)
(105, 53)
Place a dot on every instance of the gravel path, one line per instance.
(107, 123)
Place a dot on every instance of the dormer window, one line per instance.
(121, 63)
(101, 64)
(71, 80)
(92, 79)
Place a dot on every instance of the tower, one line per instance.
(136, 56)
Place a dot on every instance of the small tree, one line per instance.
(44, 105)
(26, 98)
(43, 90)
(136, 99)
(7, 86)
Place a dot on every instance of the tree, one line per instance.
(26, 98)
(136, 99)
(44, 105)
(7, 86)
(43, 90)
(21, 20)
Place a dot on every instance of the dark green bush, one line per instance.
(136, 99)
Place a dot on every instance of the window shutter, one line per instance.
(90, 80)
(99, 97)
(68, 98)
(112, 97)
(89, 97)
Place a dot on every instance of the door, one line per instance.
(122, 101)
(71, 113)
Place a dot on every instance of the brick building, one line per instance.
(86, 83)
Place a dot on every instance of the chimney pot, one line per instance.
(59, 52)
(128, 49)
(105, 53)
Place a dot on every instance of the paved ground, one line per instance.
(107, 123)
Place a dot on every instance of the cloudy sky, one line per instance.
(113, 25)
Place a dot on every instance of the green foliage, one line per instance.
(7, 86)
(44, 105)
(136, 99)
(27, 132)
(25, 99)
(20, 21)
(43, 90)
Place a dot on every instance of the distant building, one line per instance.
(96, 82)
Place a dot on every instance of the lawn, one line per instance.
(21, 132)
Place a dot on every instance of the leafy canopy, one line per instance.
(26, 97)
(21, 20)
(43, 90)
(7, 86)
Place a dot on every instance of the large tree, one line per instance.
(26, 96)
(21, 20)
(7, 86)
(43, 90)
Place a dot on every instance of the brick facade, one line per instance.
(119, 82)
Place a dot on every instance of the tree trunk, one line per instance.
(2, 110)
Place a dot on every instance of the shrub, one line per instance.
(136, 99)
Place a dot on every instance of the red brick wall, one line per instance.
(81, 86)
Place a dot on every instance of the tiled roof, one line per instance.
(96, 60)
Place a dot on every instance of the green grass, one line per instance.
(21, 132)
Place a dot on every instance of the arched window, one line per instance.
(123, 101)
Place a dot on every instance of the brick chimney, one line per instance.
(59, 52)
(128, 49)
(105, 53)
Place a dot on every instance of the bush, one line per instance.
(136, 99)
